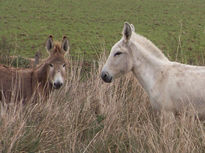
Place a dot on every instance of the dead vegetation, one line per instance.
(90, 116)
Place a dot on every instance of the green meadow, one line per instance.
(177, 27)
(88, 115)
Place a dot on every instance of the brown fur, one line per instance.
(23, 84)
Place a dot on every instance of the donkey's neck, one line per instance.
(149, 46)
(147, 68)
(41, 82)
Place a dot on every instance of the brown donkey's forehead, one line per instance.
(57, 59)
(57, 54)
(57, 49)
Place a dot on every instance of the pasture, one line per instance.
(88, 115)
(95, 25)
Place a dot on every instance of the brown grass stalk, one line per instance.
(88, 115)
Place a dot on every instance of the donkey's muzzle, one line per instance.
(57, 85)
(106, 77)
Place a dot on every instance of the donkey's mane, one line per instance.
(148, 45)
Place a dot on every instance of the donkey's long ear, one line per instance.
(49, 44)
(65, 45)
(127, 31)
(132, 27)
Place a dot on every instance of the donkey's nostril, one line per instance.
(57, 85)
(106, 77)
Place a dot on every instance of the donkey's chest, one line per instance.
(160, 100)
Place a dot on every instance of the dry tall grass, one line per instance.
(90, 116)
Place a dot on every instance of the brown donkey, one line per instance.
(23, 84)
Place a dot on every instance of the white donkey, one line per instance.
(170, 86)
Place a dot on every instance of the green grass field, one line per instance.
(88, 115)
(96, 25)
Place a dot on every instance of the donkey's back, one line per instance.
(15, 83)
(178, 86)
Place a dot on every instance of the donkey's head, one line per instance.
(120, 59)
(56, 63)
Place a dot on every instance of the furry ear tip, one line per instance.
(127, 31)
(49, 43)
(65, 44)
(126, 23)
(132, 27)
(50, 36)
(64, 37)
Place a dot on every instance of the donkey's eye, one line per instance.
(118, 53)
(51, 65)
(64, 65)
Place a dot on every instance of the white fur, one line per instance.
(58, 78)
(170, 85)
